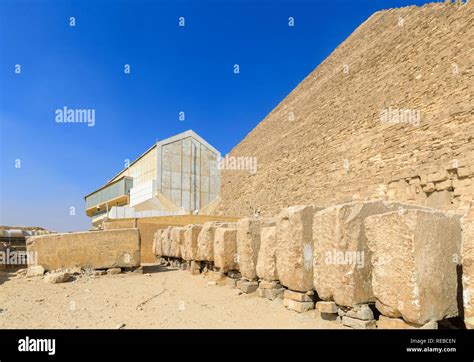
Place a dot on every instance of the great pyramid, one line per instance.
(388, 115)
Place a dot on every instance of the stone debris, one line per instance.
(297, 296)
(112, 271)
(247, 286)
(56, 277)
(358, 323)
(234, 274)
(327, 307)
(299, 307)
(414, 264)
(271, 294)
(35, 271)
(269, 285)
(361, 312)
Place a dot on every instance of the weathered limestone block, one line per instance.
(271, 294)
(414, 264)
(294, 252)
(467, 253)
(342, 267)
(92, 249)
(299, 307)
(189, 249)
(358, 323)
(166, 242)
(266, 262)
(297, 296)
(57, 277)
(205, 243)
(248, 246)
(176, 240)
(157, 249)
(247, 286)
(361, 311)
(397, 323)
(225, 249)
(327, 307)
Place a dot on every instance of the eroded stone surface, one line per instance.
(248, 246)
(414, 264)
(96, 249)
(225, 249)
(294, 253)
(266, 262)
(342, 263)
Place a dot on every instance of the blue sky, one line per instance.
(172, 69)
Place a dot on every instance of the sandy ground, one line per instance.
(159, 298)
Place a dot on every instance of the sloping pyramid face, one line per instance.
(389, 114)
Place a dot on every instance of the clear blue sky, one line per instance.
(173, 69)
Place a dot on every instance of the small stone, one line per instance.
(212, 283)
(361, 312)
(139, 271)
(247, 286)
(297, 296)
(120, 326)
(268, 285)
(98, 272)
(358, 323)
(58, 277)
(299, 307)
(114, 271)
(273, 294)
(327, 307)
(75, 270)
(35, 271)
(234, 274)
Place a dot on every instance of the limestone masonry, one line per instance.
(338, 135)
